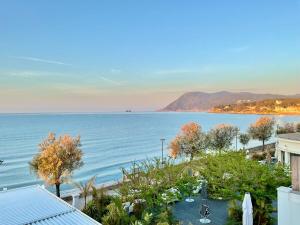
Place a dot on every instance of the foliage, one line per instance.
(189, 141)
(221, 136)
(262, 129)
(259, 156)
(147, 219)
(244, 139)
(165, 217)
(138, 209)
(235, 213)
(230, 176)
(85, 188)
(93, 211)
(57, 159)
(175, 148)
(148, 181)
(187, 182)
(267, 106)
(97, 207)
(298, 127)
(286, 128)
(116, 215)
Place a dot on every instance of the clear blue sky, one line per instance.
(115, 55)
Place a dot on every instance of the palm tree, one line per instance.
(85, 188)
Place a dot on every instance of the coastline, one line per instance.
(104, 156)
(231, 112)
(256, 113)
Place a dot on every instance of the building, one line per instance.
(288, 152)
(34, 205)
(288, 147)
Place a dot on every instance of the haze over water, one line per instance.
(109, 141)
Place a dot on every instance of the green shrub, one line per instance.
(97, 207)
(138, 210)
(116, 214)
(165, 217)
(259, 156)
(243, 176)
(92, 211)
(235, 213)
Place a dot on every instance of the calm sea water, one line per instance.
(109, 141)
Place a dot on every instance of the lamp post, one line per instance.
(162, 150)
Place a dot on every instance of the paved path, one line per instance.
(188, 213)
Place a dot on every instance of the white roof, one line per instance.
(35, 205)
(290, 136)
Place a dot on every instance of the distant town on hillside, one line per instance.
(239, 102)
(270, 106)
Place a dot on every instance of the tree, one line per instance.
(86, 188)
(230, 175)
(174, 148)
(286, 128)
(57, 159)
(189, 141)
(244, 139)
(298, 127)
(221, 136)
(262, 129)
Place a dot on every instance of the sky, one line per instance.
(94, 56)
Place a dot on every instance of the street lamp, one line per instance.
(162, 150)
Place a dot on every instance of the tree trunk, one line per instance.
(263, 145)
(85, 196)
(57, 186)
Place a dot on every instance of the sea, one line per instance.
(110, 141)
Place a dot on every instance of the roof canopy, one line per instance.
(35, 205)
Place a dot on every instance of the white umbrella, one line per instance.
(247, 210)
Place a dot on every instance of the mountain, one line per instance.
(202, 101)
(269, 106)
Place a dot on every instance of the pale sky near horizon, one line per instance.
(91, 56)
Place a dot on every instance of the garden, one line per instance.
(151, 188)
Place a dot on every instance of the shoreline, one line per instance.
(241, 113)
(254, 113)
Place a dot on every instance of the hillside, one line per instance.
(270, 106)
(202, 101)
